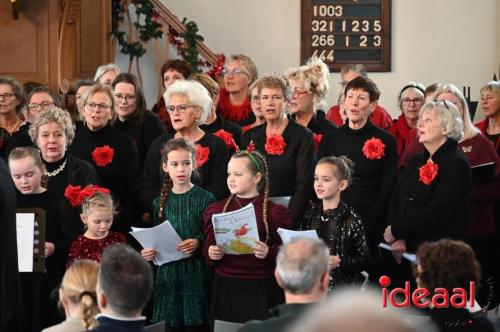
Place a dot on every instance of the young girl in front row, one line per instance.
(27, 172)
(336, 223)
(98, 211)
(244, 285)
(181, 287)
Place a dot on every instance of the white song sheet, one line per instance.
(411, 257)
(286, 234)
(162, 238)
(25, 231)
(236, 231)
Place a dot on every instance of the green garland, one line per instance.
(147, 31)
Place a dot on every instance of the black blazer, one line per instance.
(419, 212)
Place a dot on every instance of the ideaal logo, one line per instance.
(423, 298)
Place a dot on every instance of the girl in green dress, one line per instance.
(181, 287)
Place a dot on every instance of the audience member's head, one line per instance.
(77, 293)
(350, 310)
(125, 282)
(302, 267)
(447, 264)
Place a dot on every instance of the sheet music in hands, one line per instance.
(236, 231)
(25, 231)
(286, 234)
(163, 239)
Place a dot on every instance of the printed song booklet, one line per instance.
(236, 231)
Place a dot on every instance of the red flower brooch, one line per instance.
(201, 155)
(227, 138)
(428, 172)
(275, 145)
(374, 148)
(317, 139)
(103, 155)
(75, 194)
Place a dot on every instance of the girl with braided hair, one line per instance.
(180, 292)
(244, 285)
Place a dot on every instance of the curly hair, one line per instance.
(57, 115)
(314, 75)
(448, 264)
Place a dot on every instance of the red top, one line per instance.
(479, 150)
(85, 248)
(235, 113)
(402, 133)
(248, 266)
(379, 117)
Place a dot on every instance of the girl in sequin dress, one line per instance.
(97, 215)
(337, 223)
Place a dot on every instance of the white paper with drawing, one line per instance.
(236, 231)
(287, 235)
(25, 231)
(164, 239)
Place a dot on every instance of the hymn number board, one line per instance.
(347, 31)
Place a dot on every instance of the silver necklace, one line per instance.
(237, 201)
(56, 171)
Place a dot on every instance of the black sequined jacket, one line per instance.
(345, 235)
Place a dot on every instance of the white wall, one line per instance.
(455, 41)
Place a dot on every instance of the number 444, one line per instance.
(324, 55)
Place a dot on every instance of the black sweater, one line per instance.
(319, 124)
(420, 212)
(212, 175)
(143, 131)
(373, 179)
(120, 175)
(230, 127)
(290, 174)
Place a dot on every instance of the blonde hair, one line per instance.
(314, 75)
(57, 115)
(79, 287)
(469, 129)
(29, 152)
(450, 118)
(98, 200)
(274, 81)
(96, 88)
(208, 83)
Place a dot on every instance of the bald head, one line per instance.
(301, 264)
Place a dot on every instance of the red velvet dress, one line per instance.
(85, 248)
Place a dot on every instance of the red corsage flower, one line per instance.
(72, 193)
(76, 195)
(227, 138)
(201, 155)
(103, 155)
(275, 145)
(317, 139)
(428, 172)
(374, 148)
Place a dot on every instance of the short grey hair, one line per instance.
(57, 115)
(357, 68)
(101, 70)
(195, 93)
(451, 121)
(299, 270)
(248, 63)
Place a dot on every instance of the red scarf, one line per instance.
(235, 113)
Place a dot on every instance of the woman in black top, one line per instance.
(133, 118)
(53, 132)
(431, 199)
(188, 103)
(112, 153)
(373, 152)
(287, 146)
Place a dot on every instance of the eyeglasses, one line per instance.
(297, 92)
(233, 72)
(273, 97)
(37, 107)
(412, 100)
(182, 108)
(6, 95)
(100, 107)
(127, 98)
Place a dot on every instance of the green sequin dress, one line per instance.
(181, 287)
